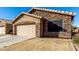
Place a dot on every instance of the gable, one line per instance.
(26, 19)
(52, 14)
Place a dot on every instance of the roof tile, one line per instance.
(57, 11)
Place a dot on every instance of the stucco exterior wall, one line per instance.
(55, 16)
(2, 23)
(8, 27)
(26, 18)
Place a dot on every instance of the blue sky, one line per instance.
(11, 12)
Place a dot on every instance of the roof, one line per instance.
(5, 20)
(55, 11)
(26, 14)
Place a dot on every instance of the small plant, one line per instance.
(76, 40)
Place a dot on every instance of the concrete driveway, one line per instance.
(7, 40)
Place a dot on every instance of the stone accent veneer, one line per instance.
(55, 16)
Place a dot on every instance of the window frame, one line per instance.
(56, 20)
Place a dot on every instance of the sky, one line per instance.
(11, 13)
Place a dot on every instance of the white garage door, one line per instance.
(2, 30)
(26, 30)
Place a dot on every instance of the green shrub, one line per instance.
(76, 40)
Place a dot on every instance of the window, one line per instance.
(55, 26)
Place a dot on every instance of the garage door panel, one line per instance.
(26, 30)
(2, 30)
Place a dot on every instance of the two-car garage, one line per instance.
(27, 25)
(26, 30)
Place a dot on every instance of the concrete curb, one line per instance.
(73, 46)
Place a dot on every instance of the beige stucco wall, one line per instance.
(26, 18)
(2, 23)
(8, 26)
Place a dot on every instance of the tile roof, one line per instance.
(5, 20)
(56, 11)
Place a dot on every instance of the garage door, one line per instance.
(2, 30)
(26, 30)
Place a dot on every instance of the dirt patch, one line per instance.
(42, 44)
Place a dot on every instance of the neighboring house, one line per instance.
(40, 22)
(5, 27)
(76, 30)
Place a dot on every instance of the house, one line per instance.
(5, 26)
(28, 25)
(76, 30)
(41, 22)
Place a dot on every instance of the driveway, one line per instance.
(7, 40)
(42, 44)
